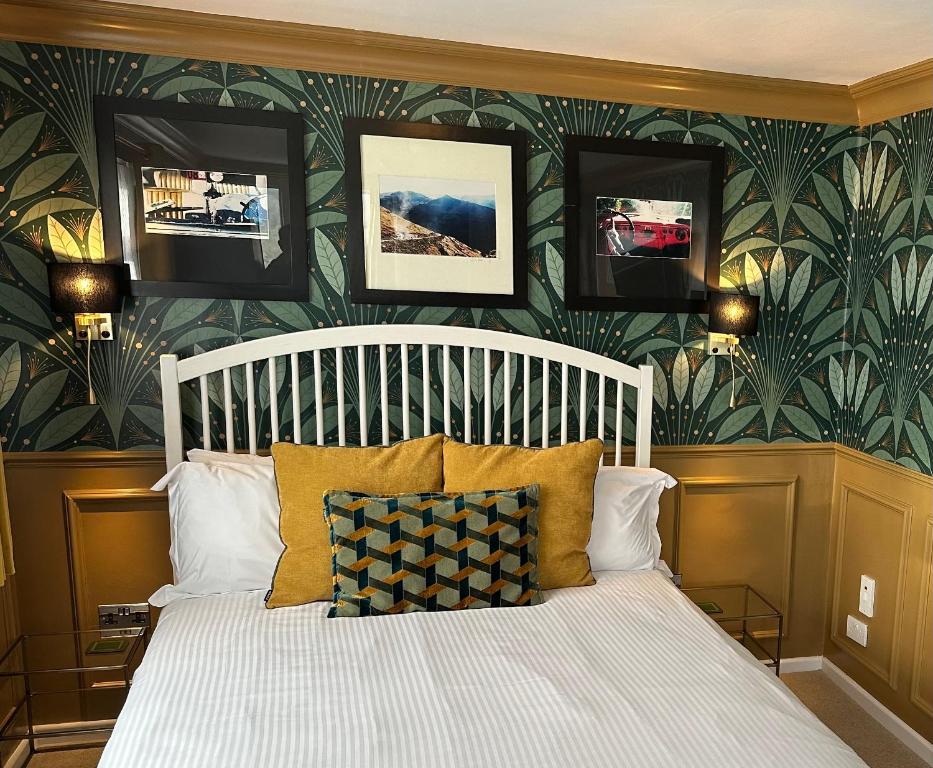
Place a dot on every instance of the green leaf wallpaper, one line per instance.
(831, 225)
(881, 380)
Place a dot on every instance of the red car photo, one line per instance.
(643, 228)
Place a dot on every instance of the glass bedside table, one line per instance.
(69, 677)
(742, 612)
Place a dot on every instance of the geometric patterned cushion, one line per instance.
(433, 551)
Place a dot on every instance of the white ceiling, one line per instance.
(833, 41)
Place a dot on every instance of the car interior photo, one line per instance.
(442, 385)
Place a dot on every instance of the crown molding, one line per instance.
(904, 90)
(170, 32)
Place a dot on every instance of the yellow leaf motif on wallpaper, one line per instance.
(754, 279)
(64, 246)
(879, 176)
(95, 239)
(866, 174)
(726, 283)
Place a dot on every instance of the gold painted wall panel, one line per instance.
(41, 488)
(37, 485)
(737, 529)
(136, 519)
(921, 684)
(765, 489)
(9, 629)
(881, 522)
(753, 501)
(872, 538)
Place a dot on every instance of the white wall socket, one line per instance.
(857, 630)
(866, 596)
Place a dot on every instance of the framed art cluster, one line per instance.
(209, 202)
(437, 216)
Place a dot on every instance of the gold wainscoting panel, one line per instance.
(37, 484)
(812, 464)
(890, 509)
(118, 542)
(748, 550)
(171, 32)
(879, 551)
(9, 630)
(921, 678)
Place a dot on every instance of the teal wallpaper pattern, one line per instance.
(881, 382)
(831, 225)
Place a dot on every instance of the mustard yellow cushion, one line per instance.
(565, 474)
(304, 473)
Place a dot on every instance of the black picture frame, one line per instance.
(291, 280)
(580, 229)
(354, 129)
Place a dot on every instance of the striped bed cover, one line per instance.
(624, 673)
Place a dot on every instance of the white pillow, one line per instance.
(203, 456)
(224, 521)
(625, 518)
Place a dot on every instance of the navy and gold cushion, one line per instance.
(433, 551)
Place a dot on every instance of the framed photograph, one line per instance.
(436, 214)
(643, 224)
(203, 201)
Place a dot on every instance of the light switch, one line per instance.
(857, 630)
(866, 596)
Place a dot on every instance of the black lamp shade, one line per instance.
(734, 314)
(76, 287)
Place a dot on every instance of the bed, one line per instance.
(624, 673)
(627, 672)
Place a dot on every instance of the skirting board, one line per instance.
(891, 722)
(79, 740)
(801, 664)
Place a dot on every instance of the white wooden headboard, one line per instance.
(555, 359)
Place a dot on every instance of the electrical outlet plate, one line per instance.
(94, 326)
(857, 631)
(720, 343)
(866, 596)
(122, 619)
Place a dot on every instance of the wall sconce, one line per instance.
(731, 316)
(91, 292)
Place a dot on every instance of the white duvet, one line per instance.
(624, 673)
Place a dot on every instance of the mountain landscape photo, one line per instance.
(440, 217)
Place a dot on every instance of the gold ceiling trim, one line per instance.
(904, 90)
(170, 32)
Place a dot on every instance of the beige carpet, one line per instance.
(875, 745)
(850, 722)
(67, 758)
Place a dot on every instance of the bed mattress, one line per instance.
(624, 673)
